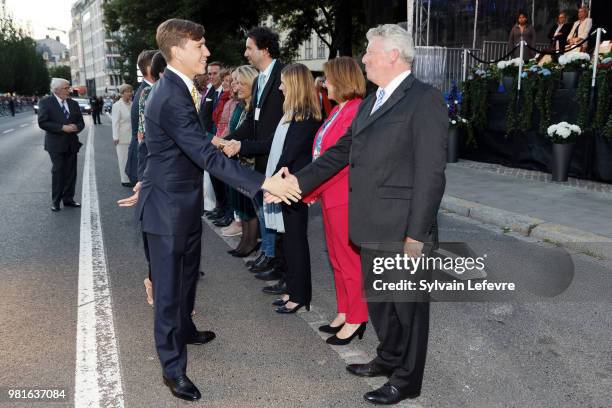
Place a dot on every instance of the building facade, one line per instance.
(94, 54)
(53, 52)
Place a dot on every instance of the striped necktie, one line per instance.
(380, 94)
(195, 97)
(65, 110)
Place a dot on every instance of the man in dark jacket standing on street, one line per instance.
(61, 119)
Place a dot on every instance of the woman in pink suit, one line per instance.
(345, 85)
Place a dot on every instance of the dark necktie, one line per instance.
(66, 113)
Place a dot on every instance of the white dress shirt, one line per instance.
(62, 103)
(391, 87)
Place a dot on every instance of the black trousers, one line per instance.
(63, 176)
(174, 261)
(297, 253)
(96, 117)
(402, 329)
(221, 194)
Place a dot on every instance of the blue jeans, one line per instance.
(268, 236)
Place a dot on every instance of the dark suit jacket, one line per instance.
(171, 196)
(562, 37)
(51, 119)
(298, 145)
(256, 135)
(396, 159)
(206, 110)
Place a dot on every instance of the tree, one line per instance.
(133, 24)
(60, 71)
(22, 71)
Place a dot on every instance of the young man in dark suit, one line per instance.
(254, 136)
(396, 152)
(61, 119)
(170, 199)
(144, 65)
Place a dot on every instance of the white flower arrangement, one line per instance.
(563, 132)
(516, 62)
(574, 58)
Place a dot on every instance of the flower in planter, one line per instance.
(563, 132)
(574, 60)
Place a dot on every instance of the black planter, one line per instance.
(561, 158)
(508, 82)
(570, 79)
(603, 158)
(452, 149)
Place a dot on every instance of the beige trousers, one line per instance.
(122, 156)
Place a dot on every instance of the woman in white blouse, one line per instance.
(122, 129)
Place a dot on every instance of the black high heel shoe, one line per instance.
(335, 341)
(280, 302)
(330, 329)
(244, 254)
(285, 310)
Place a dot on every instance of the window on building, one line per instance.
(308, 49)
(320, 49)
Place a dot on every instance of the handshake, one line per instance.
(281, 187)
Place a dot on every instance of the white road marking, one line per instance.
(97, 374)
(8, 131)
(24, 125)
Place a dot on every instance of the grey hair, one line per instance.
(394, 37)
(124, 88)
(57, 82)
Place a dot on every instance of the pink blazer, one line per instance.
(334, 192)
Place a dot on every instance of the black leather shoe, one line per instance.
(368, 370)
(330, 329)
(389, 394)
(223, 222)
(266, 264)
(277, 289)
(279, 302)
(256, 260)
(285, 310)
(72, 204)
(183, 388)
(215, 213)
(55, 207)
(202, 337)
(337, 341)
(272, 274)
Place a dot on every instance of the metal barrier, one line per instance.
(492, 50)
(441, 66)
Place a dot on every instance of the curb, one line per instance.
(585, 242)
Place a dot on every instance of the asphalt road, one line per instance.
(531, 352)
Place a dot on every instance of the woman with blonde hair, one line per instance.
(122, 129)
(291, 147)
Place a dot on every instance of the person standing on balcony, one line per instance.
(522, 31)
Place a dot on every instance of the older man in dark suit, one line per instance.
(396, 152)
(61, 119)
(170, 200)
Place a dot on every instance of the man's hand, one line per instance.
(116, 142)
(139, 136)
(231, 148)
(70, 128)
(413, 248)
(279, 189)
(131, 200)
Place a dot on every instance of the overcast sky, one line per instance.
(42, 14)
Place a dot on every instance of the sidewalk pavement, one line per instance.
(576, 214)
